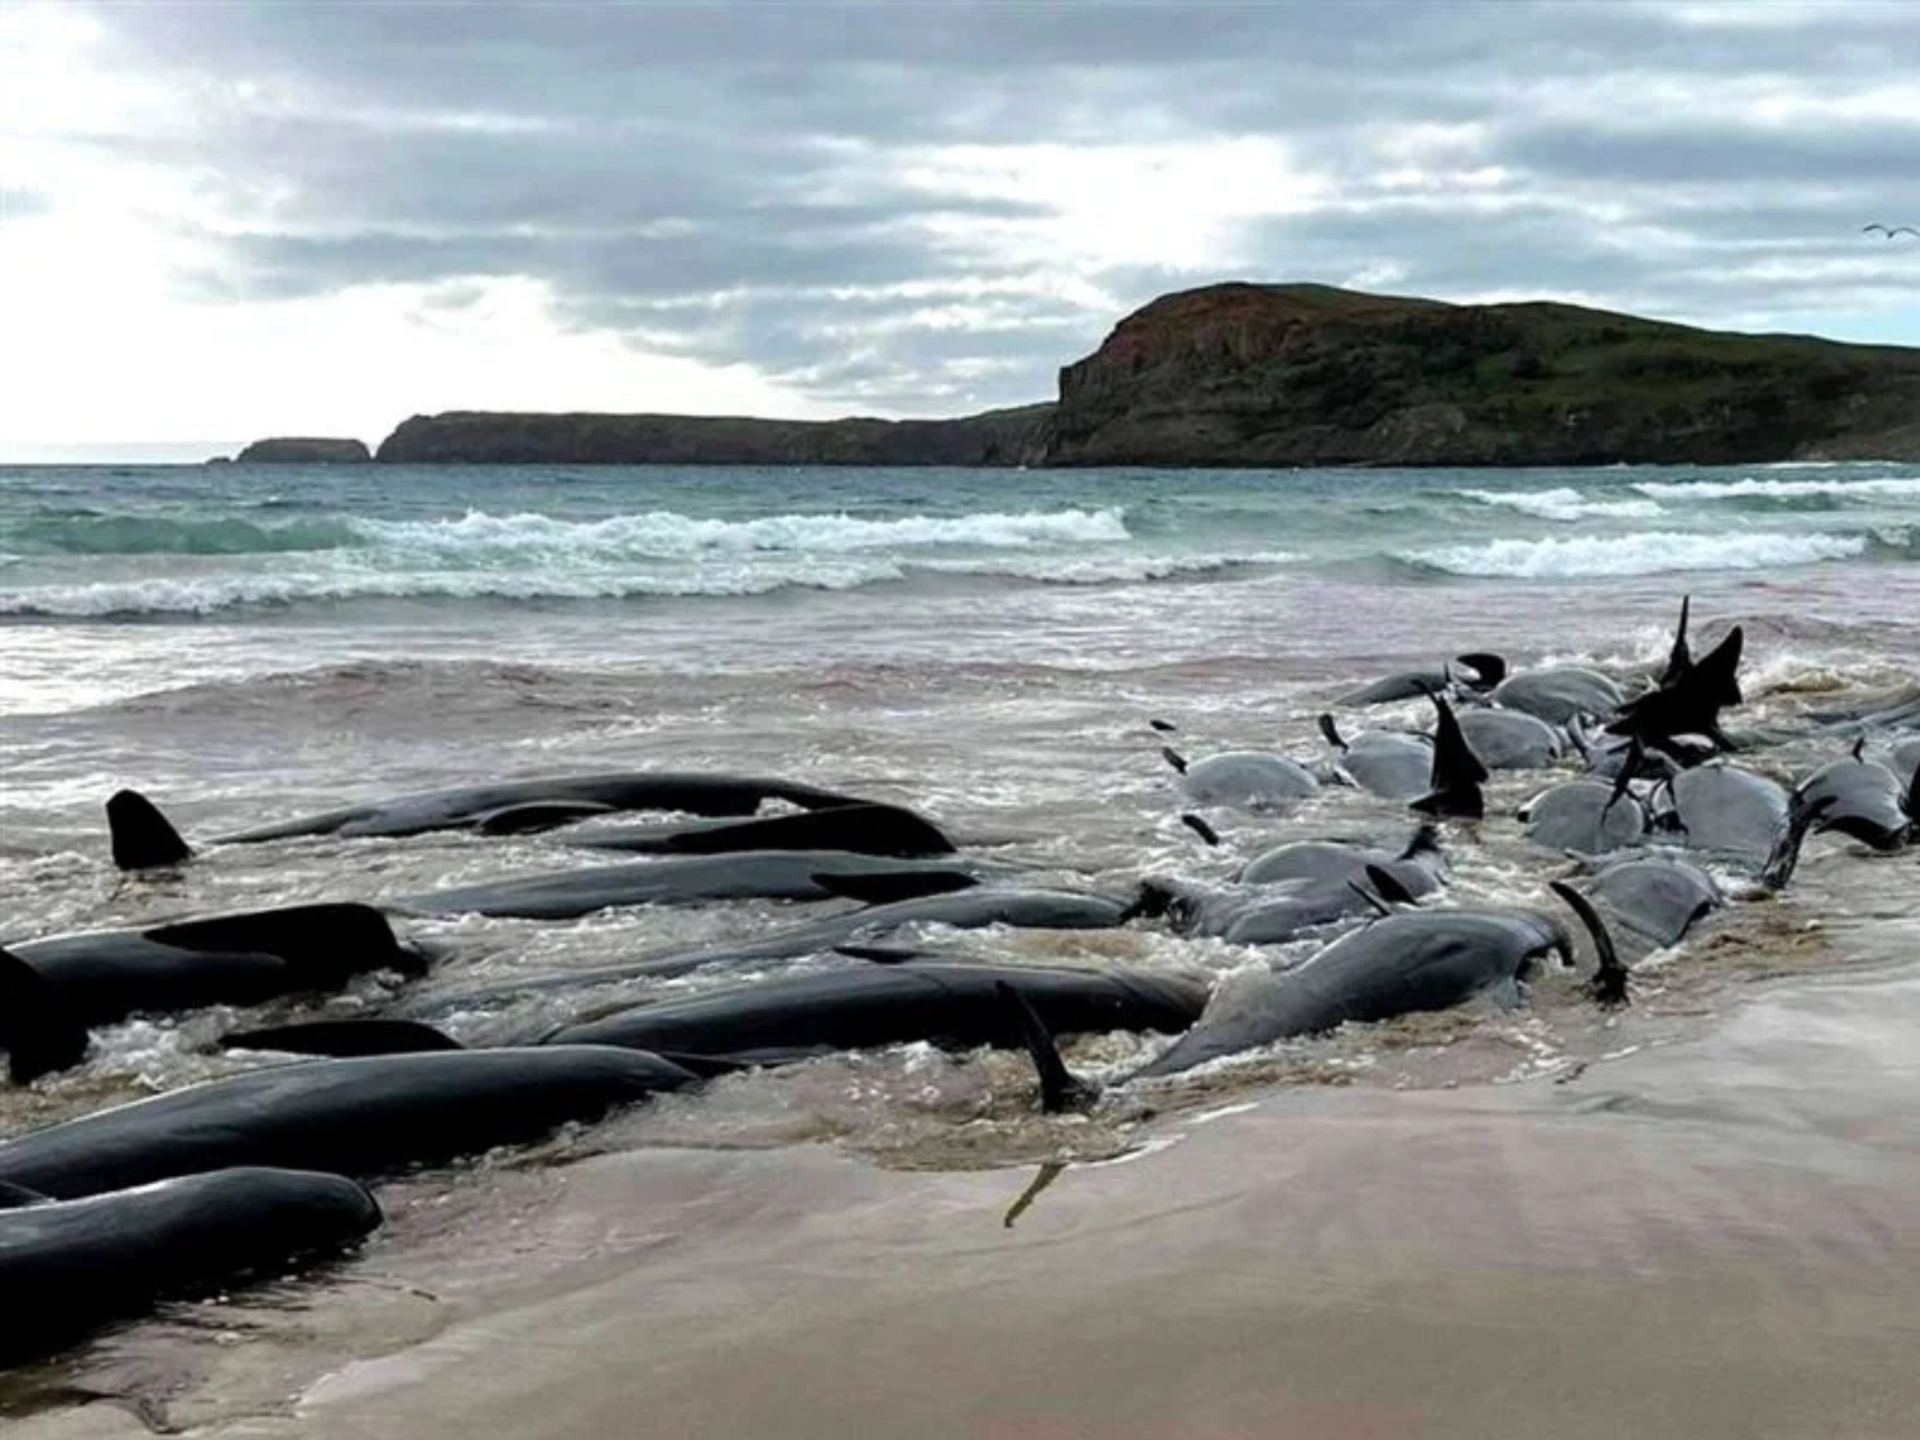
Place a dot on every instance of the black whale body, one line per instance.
(356, 1117)
(1414, 960)
(102, 976)
(69, 1266)
(954, 1005)
(693, 793)
(669, 880)
(53, 991)
(867, 829)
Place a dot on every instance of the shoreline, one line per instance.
(1718, 1237)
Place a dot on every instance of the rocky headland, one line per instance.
(304, 450)
(998, 437)
(1281, 375)
(1309, 375)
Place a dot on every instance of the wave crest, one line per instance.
(1648, 553)
(1564, 503)
(669, 535)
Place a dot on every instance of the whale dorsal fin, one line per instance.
(37, 1029)
(143, 838)
(1454, 782)
(1060, 1088)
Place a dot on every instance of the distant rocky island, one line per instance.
(1255, 375)
(304, 450)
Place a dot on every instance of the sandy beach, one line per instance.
(1717, 1238)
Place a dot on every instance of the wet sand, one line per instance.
(1720, 1237)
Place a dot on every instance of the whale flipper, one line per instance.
(1609, 983)
(18, 1197)
(1454, 783)
(37, 1030)
(143, 838)
(1060, 1088)
(343, 1037)
(1212, 836)
(1387, 886)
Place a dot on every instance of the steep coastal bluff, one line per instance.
(998, 437)
(1243, 374)
(304, 450)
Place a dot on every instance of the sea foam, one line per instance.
(1648, 553)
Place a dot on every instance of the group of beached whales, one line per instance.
(101, 1214)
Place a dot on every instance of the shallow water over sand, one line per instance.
(1694, 1217)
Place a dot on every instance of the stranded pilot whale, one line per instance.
(953, 1004)
(358, 1117)
(143, 837)
(1412, 960)
(689, 880)
(53, 991)
(70, 1266)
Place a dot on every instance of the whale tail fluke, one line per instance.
(1060, 1089)
(1691, 704)
(143, 838)
(37, 1030)
(341, 1038)
(1457, 774)
(1609, 983)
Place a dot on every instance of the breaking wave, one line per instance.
(1889, 487)
(479, 537)
(665, 534)
(1649, 553)
(281, 589)
(1564, 503)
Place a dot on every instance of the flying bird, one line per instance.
(1890, 231)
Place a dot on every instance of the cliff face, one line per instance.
(303, 450)
(998, 437)
(1258, 375)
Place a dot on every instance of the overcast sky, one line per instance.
(227, 220)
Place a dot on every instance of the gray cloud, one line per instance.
(764, 183)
